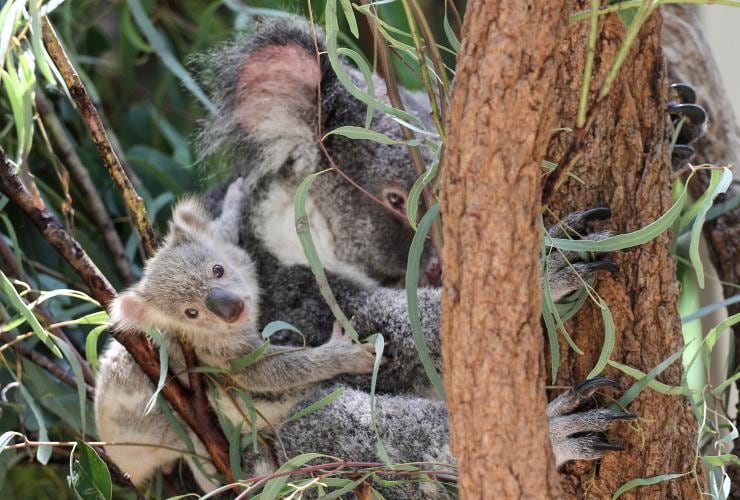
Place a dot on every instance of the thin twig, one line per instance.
(72, 160)
(137, 345)
(77, 90)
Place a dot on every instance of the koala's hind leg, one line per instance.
(412, 430)
(577, 436)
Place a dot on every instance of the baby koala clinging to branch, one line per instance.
(201, 285)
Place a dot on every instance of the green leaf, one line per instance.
(721, 460)
(89, 478)
(74, 363)
(309, 249)
(164, 367)
(326, 400)
(412, 207)
(412, 284)
(349, 487)
(276, 326)
(660, 387)
(622, 241)
(609, 339)
(719, 182)
(252, 414)
(450, 33)
(91, 346)
(638, 386)
(379, 346)
(7, 437)
(37, 45)
(629, 485)
(244, 361)
(350, 16)
(43, 453)
(273, 486)
(369, 135)
(12, 295)
(160, 46)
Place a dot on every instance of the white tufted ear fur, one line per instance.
(128, 311)
(189, 218)
(277, 91)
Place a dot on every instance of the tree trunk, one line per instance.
(493, 348)
(500, 119)
(690, 60)
(626, 167)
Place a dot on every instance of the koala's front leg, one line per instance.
(385, 311)
(286, 367)
(579, 436)
(568, 271)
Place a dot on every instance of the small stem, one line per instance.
(79, 94)
(589, 65)
(87, 186)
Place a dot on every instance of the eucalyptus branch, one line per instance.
(137, 345)
(72, 160)
(79, 94)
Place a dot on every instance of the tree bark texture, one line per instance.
(690, 60)
(500, 119)
(626, 167)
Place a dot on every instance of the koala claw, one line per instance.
(568, 270)
(682, 106)
(575, 436)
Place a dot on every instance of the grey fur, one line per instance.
(363, 248)
(179, 277)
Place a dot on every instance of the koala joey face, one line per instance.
(196, 284)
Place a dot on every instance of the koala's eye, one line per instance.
(396, 199)
(191, 313)
(218, 270)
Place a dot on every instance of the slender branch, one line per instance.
(77, 90)
(72, 160)
(204, 416)
(137, 345)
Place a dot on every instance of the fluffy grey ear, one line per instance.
(189, 218)
(277, 91)
(128, 311)
(227, 225)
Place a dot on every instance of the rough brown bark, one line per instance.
(690, 60)
(499, 121)
(626, 167)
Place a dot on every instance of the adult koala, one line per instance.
(266, 87)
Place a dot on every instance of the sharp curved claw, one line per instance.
(693, 113)
(604, 446)
(684, 92)
(623, 415)
(591, 385)
(599, 213)
(605, 265)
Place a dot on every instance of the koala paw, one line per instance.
(354, 358)
(683, 109)
(568, 270)
(579, 436)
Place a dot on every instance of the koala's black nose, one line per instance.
(224, 304)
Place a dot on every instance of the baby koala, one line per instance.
(201, 285)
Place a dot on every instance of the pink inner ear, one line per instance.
(128, 309)
(273, 79)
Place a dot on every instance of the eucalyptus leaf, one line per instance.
(91, 479)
